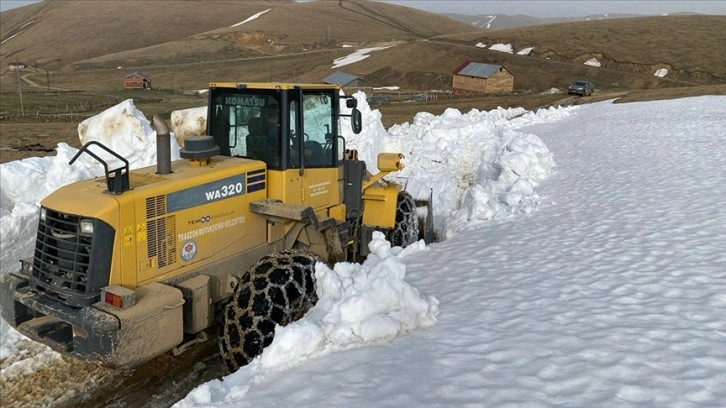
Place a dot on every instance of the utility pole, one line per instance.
(20, 89)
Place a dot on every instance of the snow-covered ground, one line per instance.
(596, 281)
(612, 294)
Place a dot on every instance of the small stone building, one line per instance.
(475, 77)
(137, 80)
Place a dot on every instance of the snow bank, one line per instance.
(125, 130)
(480, 167)
(188, 122)
(358, 304)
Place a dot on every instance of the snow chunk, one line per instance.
(188, 122)
(125, 130)
(502, 47)
(662, 72)
(593, 62)
(525, 51)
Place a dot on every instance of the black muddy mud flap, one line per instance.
(98, 333)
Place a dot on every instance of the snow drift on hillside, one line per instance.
(359, 55)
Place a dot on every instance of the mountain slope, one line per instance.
(55, 34)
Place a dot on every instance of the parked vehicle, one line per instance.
(581, 88)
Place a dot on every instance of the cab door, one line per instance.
(313, 147)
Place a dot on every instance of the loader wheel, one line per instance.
(405, 232)
(277, 290)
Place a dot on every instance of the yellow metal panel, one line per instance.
(285, 186)
(263, 85)
(379, 206)
(389, 162)
(321, 188)
(316, 188)
(338, 212)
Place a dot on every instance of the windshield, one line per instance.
(246, 124)
(284, 128)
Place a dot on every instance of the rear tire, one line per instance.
(405, 231)
(277, 290)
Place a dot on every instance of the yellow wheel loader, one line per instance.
(139, 263)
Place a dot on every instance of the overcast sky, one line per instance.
(570, 8)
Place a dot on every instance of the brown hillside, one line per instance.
(53, 34)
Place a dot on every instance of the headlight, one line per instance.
(42, 214)
(87, 227)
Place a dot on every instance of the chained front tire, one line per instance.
(277, 290)
(405, 231)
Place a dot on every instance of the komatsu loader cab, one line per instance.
(138, 263)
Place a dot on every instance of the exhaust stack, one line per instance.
(163, 145)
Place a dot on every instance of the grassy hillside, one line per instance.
(55, 34)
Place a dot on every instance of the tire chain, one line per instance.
(405, 231)
(277, 290)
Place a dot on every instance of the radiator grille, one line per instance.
(67, 264)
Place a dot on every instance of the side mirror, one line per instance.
(356, 121)
(351, 103)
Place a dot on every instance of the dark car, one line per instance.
(581, 88)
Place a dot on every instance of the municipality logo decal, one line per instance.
(189, 250)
